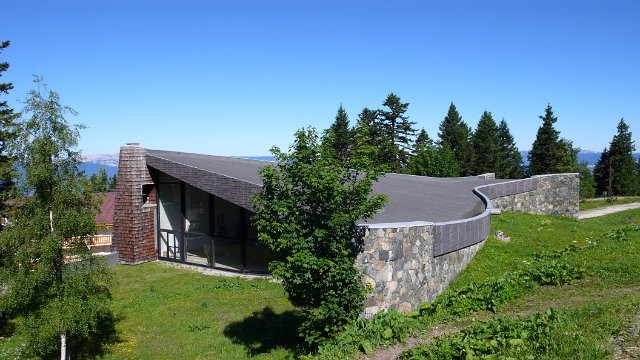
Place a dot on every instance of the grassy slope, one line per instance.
(592, 204)
(599, 306)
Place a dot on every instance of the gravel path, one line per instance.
(607, 210)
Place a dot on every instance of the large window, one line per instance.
(199, 228)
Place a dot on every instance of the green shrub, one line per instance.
(306, 215)
(518, 338)
(383, 329)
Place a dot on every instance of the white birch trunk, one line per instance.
(63, 345)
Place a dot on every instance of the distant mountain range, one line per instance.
(591, 157)
(93, 162)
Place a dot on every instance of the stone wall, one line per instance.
(411, 263)
(134, 214)
(399, 263)
(554, 194)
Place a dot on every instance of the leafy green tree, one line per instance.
(587, 183)
(619, 164)
(100, 181)
(455, 134)
(398, 133)
(307, 214)
(549, 153)
(509, 163)
(7, 120)
(337, 138)
(486, 145)
(434, 160)
(63, 306)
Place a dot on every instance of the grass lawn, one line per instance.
(173, 313)
(593, 204)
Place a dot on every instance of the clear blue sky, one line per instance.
(236, 77)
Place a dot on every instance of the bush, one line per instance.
(306, 215)
(517, 338)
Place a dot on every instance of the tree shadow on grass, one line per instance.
(265, 331)
(94, 346)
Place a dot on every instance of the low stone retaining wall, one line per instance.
(553, 194)
(411, 263)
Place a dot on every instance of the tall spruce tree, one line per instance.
(509, 164)
(398, 131)
(456, 135)
(63, 307)
(486, 145)
(7, 120)
(618, 165)
(423, 139)
(337, 138)
(601, 173)
(549, 153)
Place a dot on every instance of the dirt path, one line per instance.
(607, 210)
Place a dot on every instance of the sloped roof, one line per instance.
(411, 198)
(105, 216)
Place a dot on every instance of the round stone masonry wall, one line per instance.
(398, 264)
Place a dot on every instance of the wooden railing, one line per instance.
(101, 240)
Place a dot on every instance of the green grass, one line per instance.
(173, 313)
(168, 313)
(593, 204)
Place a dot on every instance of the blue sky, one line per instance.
(236, 77)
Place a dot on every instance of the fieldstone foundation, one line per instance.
(399, 264)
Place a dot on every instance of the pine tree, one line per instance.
(69, 302)
(337, 138)
(100, 181)
(618, 165)
(423, 139)
(486, 147)
(398, 131)
(368, 119)
(455, 134)
(509, 163)
(601, 173)
(549, 154)
(587, 183)
(7, 119)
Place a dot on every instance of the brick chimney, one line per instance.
(135, 207)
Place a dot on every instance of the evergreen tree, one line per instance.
(455, 134)
(7, 119)
(423, 139)
(337, 138)
(398, 131)
(486, 145)
(112, 182)
(550, 154)
(100, 181)
(69, 302)
(509, 163)
(619, 164)
(368, 119)
(587, 183)
(601, 173)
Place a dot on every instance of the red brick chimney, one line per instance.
(135, 208)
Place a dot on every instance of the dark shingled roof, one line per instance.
(105, 216)
(412, 198)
